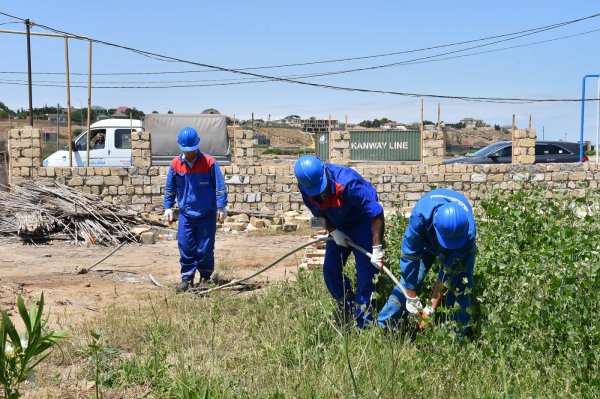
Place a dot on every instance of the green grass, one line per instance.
(536, 328)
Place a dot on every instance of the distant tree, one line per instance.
(374, 123)
(426, 122)
(497, 127)
(169, 112)
(135, 113)
(111, 111)
(155, 112)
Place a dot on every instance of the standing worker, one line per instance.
(348, 203)
(441, 225)
(196, 180)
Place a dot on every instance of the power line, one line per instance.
(311, 84)
(308, 75)
(518, 34)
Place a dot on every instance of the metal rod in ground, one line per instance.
(84, 270)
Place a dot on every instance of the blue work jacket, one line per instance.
(351, 201)
(200, 189)
(420, 236)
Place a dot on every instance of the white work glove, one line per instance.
(221, 214)
(377, 256)
(169, 215)
(413, 305)
(340, 238)
(428, 311)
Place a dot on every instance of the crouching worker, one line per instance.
(195, 179)
(348, 203)
(440, 225)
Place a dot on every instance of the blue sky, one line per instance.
(240, 34)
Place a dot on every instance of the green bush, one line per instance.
(20, 354)
(538, 273)
(536, 326)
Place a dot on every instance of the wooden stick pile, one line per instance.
(35, 212)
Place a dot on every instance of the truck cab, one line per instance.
(110, 145)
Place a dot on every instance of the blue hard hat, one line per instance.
(311, 175)
(188, 139)
(451, 224)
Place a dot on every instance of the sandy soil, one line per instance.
(53, 269)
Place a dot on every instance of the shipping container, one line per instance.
(385, 145)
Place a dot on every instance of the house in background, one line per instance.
(390, 125)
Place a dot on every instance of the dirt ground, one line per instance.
(53, 269)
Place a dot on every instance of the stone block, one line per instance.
(113, 180)
(147, 238)
(75, 181)
(288, 227)
(94, 181)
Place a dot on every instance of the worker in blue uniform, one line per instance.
(196, 181)
(349, 205)
(441, 225)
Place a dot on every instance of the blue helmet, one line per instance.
(311, 175)
(451, 223)
(188, 139)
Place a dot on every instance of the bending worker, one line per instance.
(348, 203)
(441, 225)
(195, 179)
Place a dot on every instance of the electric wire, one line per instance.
(308, 75)
(304, 83)
(527, 31)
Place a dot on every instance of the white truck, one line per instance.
(110, 140)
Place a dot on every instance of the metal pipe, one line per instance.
(583, 113)
(69, 130)
(89, 110)
(598, 120)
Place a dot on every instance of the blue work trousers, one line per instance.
(356, 304)
(196, 240)
(459, 281)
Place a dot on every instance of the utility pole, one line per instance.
(28, 27)
(543, 133)
(57, 124)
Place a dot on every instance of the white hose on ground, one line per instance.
(270, 265)
(385, 269)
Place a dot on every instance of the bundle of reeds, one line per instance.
(36, 212)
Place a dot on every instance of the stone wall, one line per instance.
(434, 147)
(268, 189)
(524, 146)
(274, 188)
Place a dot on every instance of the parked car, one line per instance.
(501, 152)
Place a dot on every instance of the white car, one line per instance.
(110, 145)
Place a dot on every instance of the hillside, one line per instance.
(475, 138)
(282, 137)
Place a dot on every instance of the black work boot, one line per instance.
(205, 284)
(182, 287)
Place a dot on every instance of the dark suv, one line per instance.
(501, 152)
